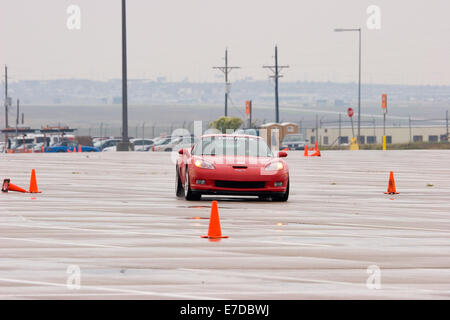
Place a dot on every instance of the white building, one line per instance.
(329, 136)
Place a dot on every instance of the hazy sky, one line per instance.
(182, 39)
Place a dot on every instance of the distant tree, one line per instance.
(224, 123)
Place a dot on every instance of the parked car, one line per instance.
(185, 143)
(108, 143)
(170, 145)
(110, 149)
(142, 144)
(232, 165)
(294, 141)
(97, 142)
(161, 142)
(70, 145)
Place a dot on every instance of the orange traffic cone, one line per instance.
(306, 151)
(8, 186)
(33, 183)
(316, 154)
(391, 186)
(214, 231)
(316, 146)
(79, 148)
(68, 150)
(285, 149)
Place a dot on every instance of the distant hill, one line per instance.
(148, 92)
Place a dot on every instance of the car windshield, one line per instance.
(293, 137)
(232, 146)
(142, 142)
(68, 144)
(41, 139)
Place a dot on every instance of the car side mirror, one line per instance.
(282, 154)
(181, 151)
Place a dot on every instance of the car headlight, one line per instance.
(203, 164)
(274, 166)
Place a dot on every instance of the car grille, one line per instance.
(240, 184)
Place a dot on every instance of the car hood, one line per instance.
(229, 161)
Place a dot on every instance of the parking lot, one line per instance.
(116, 218)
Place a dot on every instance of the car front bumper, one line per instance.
(266, 184)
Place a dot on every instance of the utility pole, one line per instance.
(17, 118)
(359, 89)
(226, 70)
(317, 129)
(6, 97)
(125, 144)
(359, 76)
(340, 128)
(6, 107)
(446, 124)
(276, 70)
(374, 129)
(410, 131)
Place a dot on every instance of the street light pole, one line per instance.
(359, 89)
(124, 75)
(125, 144)
(359, 77)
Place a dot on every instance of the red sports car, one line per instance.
(232, 165)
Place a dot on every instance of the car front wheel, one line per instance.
(188, 194)
(282, 198)
(179, 191)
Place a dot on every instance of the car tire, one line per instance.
(179, 190)
(282, 198)
(188, 194)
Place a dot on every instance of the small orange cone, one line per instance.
(214, 231)
(391, 186)
(68, 150)
(316, 154)
(285, 149)
(8, 186)
(316, 146)
(79, 148)
(306, 151)
(33, 183)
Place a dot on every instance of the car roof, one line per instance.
(141, 139)
(231, 135)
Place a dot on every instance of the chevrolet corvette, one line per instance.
(239, 165)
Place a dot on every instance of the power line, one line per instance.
(226, 70)
(276, 70)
